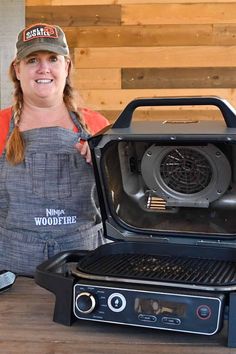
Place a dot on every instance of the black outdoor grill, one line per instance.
(167, 193)
(157, 269)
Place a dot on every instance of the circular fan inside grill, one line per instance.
(185, 170)
(186, 175)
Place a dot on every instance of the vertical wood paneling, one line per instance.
(101, 2)
(86, 15)
(97, 78)
(202, 13)
(170, 57)
(38, 2)
(123, 49)
(116, 99)
(178, 78)
(151, 36)
(12, 20)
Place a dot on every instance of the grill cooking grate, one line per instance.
(162, 268)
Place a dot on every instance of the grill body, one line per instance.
(167, 193)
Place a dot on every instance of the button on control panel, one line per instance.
(85, 302)
(171, 320)
(116, 302)
(204, 312)
(147, 318)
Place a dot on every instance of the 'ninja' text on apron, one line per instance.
(53, 217)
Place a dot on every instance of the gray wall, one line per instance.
(12, 20)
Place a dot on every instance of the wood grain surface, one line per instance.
(124, 49)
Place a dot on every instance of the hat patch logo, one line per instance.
(39, 32)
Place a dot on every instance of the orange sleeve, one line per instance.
(94, 120)
(5, 117)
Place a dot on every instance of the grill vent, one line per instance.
(185, 170)
(155, 203)
(186, 176)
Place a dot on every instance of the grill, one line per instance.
(191, 271)
(167, 194)
(170, 265)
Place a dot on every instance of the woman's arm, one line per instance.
(5, 118)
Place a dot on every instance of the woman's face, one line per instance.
(42, 76)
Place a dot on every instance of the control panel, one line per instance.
(183, 312)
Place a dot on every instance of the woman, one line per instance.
(47, 189)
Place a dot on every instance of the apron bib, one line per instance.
(47, 203)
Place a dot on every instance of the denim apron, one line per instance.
(47, 203)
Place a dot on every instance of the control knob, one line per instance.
(85, 302)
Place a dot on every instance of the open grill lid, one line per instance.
(168, 182)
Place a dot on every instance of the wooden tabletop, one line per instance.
(26, 327)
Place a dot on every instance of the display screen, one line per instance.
(159, 307)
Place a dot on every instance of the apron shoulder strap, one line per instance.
(83, 134)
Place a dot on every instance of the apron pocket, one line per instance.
(20, 252)
(51, 175)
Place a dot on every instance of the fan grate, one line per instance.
(186, 170)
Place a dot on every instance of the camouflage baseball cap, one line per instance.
(41, 36)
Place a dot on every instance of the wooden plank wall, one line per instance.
(123, 49)
(12, 14)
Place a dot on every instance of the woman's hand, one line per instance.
(83, 148)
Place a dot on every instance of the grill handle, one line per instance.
(51, 276)
(228, 112)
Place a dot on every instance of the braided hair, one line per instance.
(15, 146)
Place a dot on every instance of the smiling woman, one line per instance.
(47, 187)
(43, 78)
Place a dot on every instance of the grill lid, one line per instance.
(170, 182)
